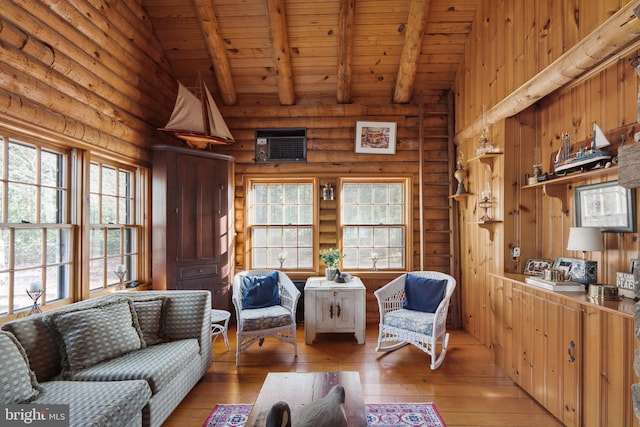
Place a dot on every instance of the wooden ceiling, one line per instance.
(286, 52)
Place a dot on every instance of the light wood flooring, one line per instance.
(468, 389)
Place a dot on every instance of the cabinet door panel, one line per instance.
(197, 202)
(572, 351)
(554, 359)
(345, 303)
(325, 311)
(539, 349)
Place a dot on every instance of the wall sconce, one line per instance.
(327, 192)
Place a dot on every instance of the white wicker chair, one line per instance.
(256, 324)
(424, 330)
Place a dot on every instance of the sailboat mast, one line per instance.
(205, 106)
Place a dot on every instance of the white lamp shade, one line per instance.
(585, 239)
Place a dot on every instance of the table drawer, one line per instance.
(194, 271)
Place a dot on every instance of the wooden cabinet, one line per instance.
(608, 374)
(547, 342)
(574, 355)
(334, 307)
(192, 222)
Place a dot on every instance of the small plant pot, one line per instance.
(330, 273)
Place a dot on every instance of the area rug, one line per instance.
(378, 415)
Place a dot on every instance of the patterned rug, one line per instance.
(378, 415)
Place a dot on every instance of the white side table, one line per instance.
(334, 307)
(220, 324)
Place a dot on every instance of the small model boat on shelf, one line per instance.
(197, 120)
(587, 158)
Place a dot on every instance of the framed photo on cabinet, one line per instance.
(564, 264)
(536, 267)
(376, 137)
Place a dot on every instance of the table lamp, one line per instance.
(585, 239)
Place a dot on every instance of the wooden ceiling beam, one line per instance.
(602, 44)
(281, 51)
(217, 52)
(411, 51)
(346, 21)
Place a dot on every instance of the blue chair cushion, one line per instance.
(260, 291)
(423, 294)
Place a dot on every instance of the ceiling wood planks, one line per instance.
(285, 52)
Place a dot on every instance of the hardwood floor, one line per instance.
(468, 389)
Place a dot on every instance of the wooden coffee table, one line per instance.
(300, 388)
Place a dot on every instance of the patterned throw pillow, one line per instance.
(260, 291)
(96, 334)
(150, 318)
(423, 294)
(18, 384)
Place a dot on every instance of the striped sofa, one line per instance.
(123, 359)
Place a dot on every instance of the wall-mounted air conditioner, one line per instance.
(281, 145)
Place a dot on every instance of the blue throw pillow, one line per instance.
(260, 291)
(423, 294)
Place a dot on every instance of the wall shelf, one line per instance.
(487, 158)
(555, 187)
(459, 197)
(487, 225)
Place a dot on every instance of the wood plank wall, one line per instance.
(331, 154)
(509, 44)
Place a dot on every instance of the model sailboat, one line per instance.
(588, 158)
(197, 120)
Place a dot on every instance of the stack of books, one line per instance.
(564, 286)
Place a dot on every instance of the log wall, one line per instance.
(512, 42)
(331, 154)
(88, 71)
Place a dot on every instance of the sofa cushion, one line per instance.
(260, 291)
(157, 364)
(40, 344)
(96, 334)
(150, 315)
(422, 293)
(97, 404)
(18, 383)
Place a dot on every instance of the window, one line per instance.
(35, 228)
(280, 221)
(113, 228)
(374, 223)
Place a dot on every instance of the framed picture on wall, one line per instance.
(376, 137)
(607, 206)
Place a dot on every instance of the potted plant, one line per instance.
(331, 258)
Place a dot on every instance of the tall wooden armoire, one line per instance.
(192, 222)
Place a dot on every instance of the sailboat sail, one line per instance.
(599, 140)
(197, 120)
